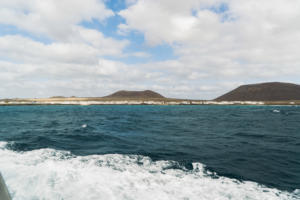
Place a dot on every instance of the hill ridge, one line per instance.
(149, 94)
(268, 91)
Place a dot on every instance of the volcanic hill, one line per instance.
(273, 91)
(146, 94)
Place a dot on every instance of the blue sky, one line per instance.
(189, 49)
(137, 41)
(110, 29)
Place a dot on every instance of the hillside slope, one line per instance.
(146, 94)
(273, 91)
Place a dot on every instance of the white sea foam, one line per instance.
(2, 144)
(51, 174)
(276, 111)
(84, 125)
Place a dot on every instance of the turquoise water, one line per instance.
(151, 152)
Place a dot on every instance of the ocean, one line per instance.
(150, 152)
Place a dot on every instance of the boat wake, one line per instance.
(53, 174)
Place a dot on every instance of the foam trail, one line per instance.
(52, 174)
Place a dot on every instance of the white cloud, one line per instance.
(23, 49)
(54, 18)
(34, 68)
(140, 54)
(166, 21)
(251, 41)
(130, 2)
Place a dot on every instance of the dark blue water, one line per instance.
(255, 143)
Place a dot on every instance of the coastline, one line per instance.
(111, 101)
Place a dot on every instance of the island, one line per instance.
(274, 93)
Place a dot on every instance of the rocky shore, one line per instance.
(104, 101)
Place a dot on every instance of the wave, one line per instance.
(53, 174)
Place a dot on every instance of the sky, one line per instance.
(196, 49)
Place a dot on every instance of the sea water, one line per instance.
(150, 152)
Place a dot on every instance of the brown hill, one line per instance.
(274, 91)
(146, 94)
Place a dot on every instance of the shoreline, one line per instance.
(103, 101)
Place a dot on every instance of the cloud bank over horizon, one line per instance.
(190, 49)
